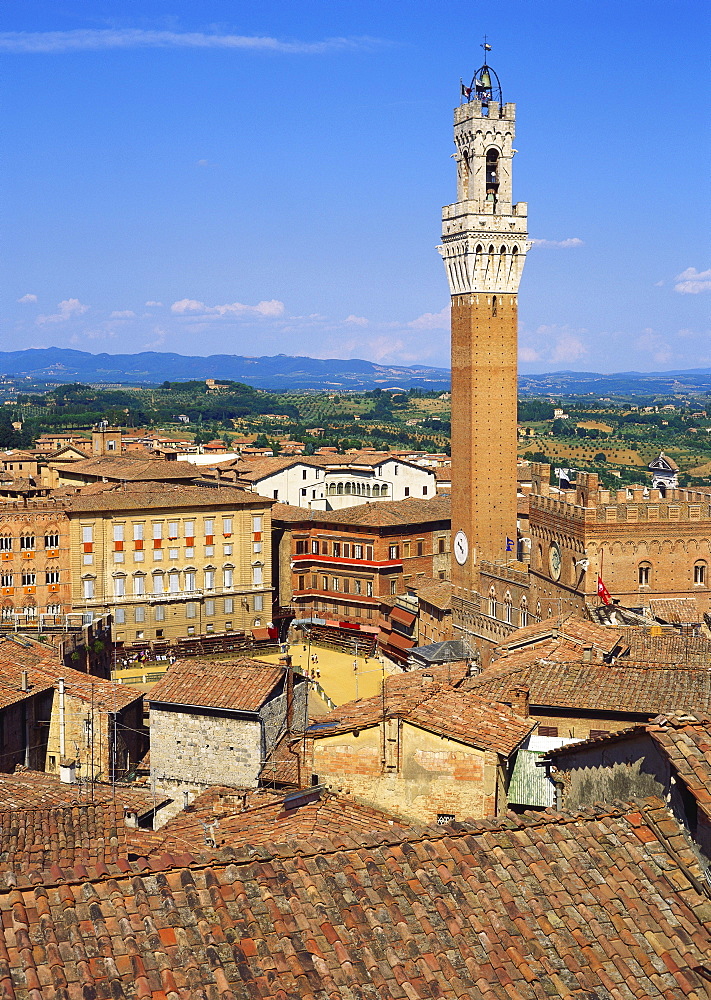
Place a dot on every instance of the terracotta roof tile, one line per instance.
(581, 906)
(129, 469)
(235, 685)
(435, 707)
(157, 496)
(25, 789)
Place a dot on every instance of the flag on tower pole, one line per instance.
(602, 592)
(509, 544)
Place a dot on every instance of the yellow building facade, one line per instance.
(170, 562)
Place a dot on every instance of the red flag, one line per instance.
(602, 592)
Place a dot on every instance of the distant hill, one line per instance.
(283, 373)
(275, 374)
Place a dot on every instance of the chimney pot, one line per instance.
(587, 654)
(520, 701)
(25, 685)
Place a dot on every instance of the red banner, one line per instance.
(602, 592)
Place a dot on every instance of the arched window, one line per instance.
(492, 175)
(538, 610)
(644, 574)
(5, 542)
(494, 306)
(376, 490)
(700, 573)
(7, 612)
(384, 490)
(507, 608)
(492, 603)
(340, 489)
(523, 617)
(348, 489)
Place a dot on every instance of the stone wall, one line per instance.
(424, 775)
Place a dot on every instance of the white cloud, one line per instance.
(66, 309)
(92, 39)
(28, 298)
(431, 321)
(691, 281)
(356, 320)
(160, 338)
(123, 314)
(192, 307)
(528, 354)
(572, 241)
(152, 303)
(568, 348)
(655, 345)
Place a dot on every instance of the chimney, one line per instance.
(67, 771)
(520, 699)
(587, 654)
(25, 685)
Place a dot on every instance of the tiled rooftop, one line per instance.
(676, 611)
(557, 677)
(235, 685)
(385, 513)
(686, 741)
(569, 627)
(606, 904)
(158, 496)
(85, 832)
(126, 468)
(435, 707)
(26, 789)
(264, 818)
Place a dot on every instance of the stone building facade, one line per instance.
(172, 561)
(217, 722)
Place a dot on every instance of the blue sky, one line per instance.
(263, 178)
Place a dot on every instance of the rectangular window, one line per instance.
(324, 548)
(118, 557)
(335, 583)
(28, 579)
(303, 473)
(597, 733)
(139, 585)
(314, 548)
(228, 576)
(189, 533)
(118, 532)
(357, 587)
(314, 581)
(393, 552)
(174, 583)
(406, 550)
(51, 541)
(393, 586)
(172, 530)
(368, 588)
(51, 576)
(346, 550)
(87, 534)
(157, 554)
(420, 547)
(547, 731)
(303, 493)
(257, 546)
(120, 616)
(301, 583)
(440, 545)
(140, 615)
(209, 526)
(258, 602)
(87, 588)
(172, 553)
(7, 580)
(357, 551)
(209, 579)
(190, 610)
(119, 586)
(346, 586)
(5, 543)
(190, 580)
(229, 605)
(337, 550)
(157, 536)
(138, 537)
(369, 552)
(226, 525)
(324, 583)
(424, 491)
(209, 607)
(159, 612)
(158, 583)
(87, 559)
(257, 522)
(227, 550)
(301, 547)
(276, 494)
(407, 491)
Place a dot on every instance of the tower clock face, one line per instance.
(461, 547)
(554, 560)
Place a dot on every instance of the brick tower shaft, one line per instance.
(484, 246)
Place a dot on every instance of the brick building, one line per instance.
(34, 560)
(217, 722)
(423, 750)
(170, 561)
(349, 566)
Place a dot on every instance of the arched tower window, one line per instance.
(494, 305)
(523, 618)
(492, 174)
(492, 603)
(700, 574)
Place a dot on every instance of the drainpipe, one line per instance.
(61, 718)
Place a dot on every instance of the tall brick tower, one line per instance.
(484, 246)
